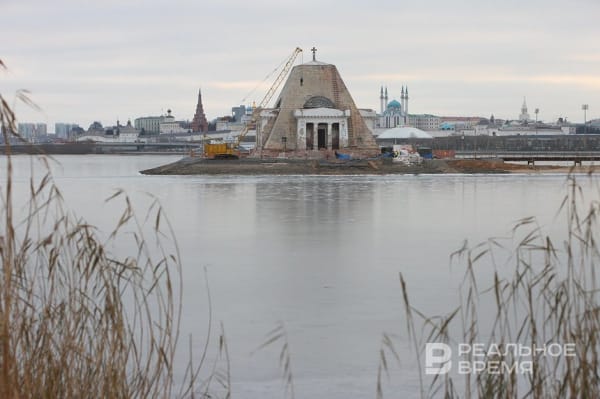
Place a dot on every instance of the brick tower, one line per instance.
(199, 124)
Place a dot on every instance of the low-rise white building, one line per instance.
(424, 121)
(127, 133)
(169, 125)
(121, 134)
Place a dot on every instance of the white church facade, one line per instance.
(313, 112)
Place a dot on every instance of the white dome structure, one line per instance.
(404, 132)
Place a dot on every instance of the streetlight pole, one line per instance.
(537, 111)
(584, 107)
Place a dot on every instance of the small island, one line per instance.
(381, 166)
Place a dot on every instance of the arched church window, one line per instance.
(319, 102)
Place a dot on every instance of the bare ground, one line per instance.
(248, 166)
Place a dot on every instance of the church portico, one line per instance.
(321, 128)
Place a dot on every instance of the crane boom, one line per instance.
(280, 78)
(215, 149)
(284, 71)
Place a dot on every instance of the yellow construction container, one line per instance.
(221, 150)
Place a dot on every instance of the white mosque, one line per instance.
(394, 113)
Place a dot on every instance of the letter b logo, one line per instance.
(437, 358)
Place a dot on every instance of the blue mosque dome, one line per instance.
(394, 104)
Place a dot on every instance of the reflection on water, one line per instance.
(322, 254)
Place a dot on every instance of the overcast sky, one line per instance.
(103, 60)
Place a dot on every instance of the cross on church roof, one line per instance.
(314, 51)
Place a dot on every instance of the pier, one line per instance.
(577, 157)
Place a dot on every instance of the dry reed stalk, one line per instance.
(75, 321)
(550, 298)
(279, 335)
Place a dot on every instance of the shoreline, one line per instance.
(247, 166)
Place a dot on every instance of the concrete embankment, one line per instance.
(200, 166)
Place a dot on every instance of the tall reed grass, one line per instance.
(545, 294)
(77, 321)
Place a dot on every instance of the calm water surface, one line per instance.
(321, 254)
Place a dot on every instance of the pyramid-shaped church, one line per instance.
(314, 112)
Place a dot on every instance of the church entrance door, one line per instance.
(335, 136)
(322, 135)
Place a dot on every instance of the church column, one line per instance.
(329, 133)
(301, 135)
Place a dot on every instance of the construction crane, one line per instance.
(231, 150)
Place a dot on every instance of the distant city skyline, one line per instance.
(86, 61)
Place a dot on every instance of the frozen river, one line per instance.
(322, 254)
